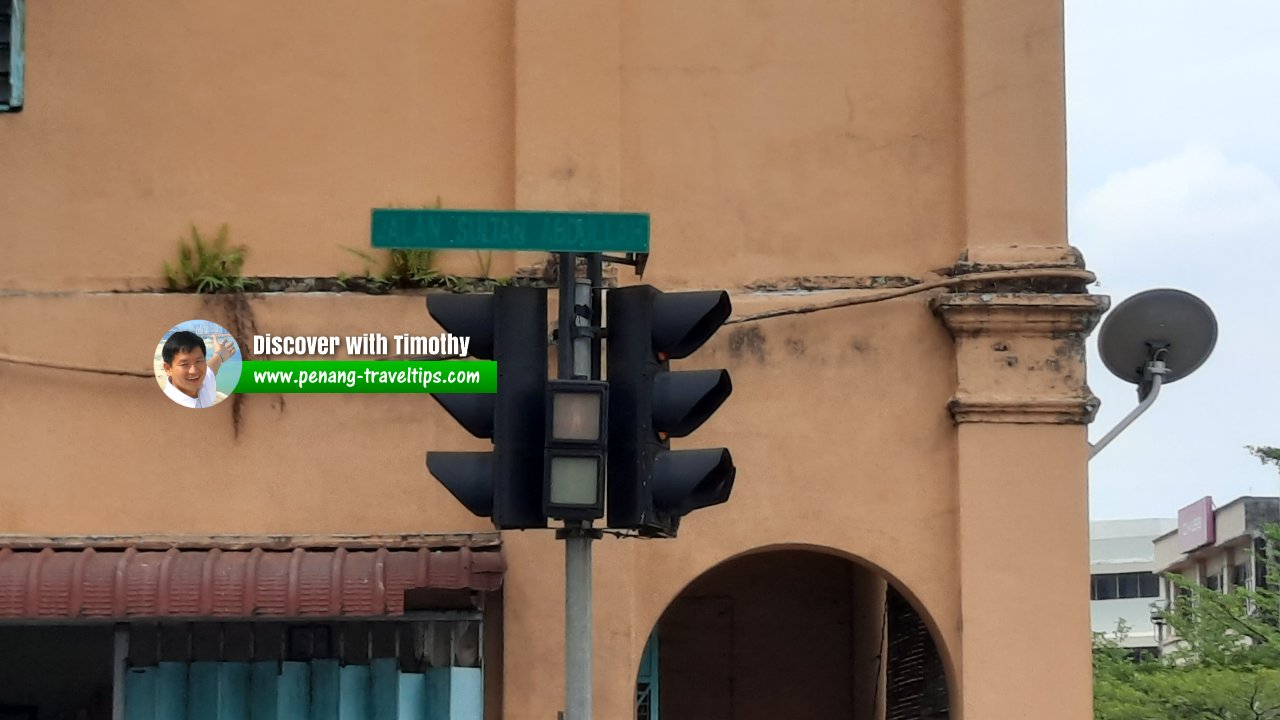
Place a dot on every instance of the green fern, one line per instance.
(400, 267)
(418, 267)
(207, 266)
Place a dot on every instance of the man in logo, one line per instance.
(192, 380)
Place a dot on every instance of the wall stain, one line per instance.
(860, 345)
(796, 346)
(1070, 350)
(747, 341)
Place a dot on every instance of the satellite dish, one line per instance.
(1176, 325)
(1155, 337)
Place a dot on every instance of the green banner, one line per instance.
(368, 376)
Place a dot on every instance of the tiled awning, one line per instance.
(138, 578)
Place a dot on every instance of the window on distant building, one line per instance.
(1103, 587)
(1240, 575)
(1148, 585)
(1117, 586)
(1214, 581)
(1128, 585)
(11, 55)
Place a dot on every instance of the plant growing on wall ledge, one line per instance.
(215, 268)
(406, 269)
(207, 265)
(402, 268)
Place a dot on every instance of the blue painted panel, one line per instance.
(218, 691)
(294, 691)
(437, 691)
(140, 694)
(413, 697)
(202, 695)
(320, 690)
(233, 691)
(455, 693)
(280, 691)
(264, 686)
(171, 690)
(326, 689)
(356, 698)
(466, 696)
(384, 686)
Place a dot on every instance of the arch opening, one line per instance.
(791, 633)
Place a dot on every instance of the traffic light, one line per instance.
(651, 486)
(577, 438)
(509, 326)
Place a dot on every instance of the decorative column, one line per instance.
(1022, 406)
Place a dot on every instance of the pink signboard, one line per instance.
(1195, 525)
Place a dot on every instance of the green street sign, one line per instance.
(579, 232)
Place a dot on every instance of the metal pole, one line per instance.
(577, 619)
(595, 273)
(1156, 369)
(576, 361)
(582, 342)
(564, 343)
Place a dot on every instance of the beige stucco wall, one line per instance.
(287, 123)
(768, 140)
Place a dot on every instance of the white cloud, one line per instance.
(1205, 223)
(1145, 78)
(1193, 203)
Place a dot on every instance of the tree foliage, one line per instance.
(1226, 663)
(1268, 455)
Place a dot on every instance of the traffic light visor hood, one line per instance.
(687, 480)
(466, 315)
(683, 321)
(473, 411)
(468, 476)
(682, 401)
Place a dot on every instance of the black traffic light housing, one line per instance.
(650, 486)
(509, 326)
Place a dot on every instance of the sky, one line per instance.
(1173, 145)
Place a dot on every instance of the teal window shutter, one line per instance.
(647, 681)
(11, 60)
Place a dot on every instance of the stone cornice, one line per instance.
(1026, 410)
(972, 314)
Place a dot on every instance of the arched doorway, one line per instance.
(791, 633)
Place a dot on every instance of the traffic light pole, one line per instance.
(577, 359)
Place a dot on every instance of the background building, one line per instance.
(1124, 583)
(1218, 547)
(890, 453)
